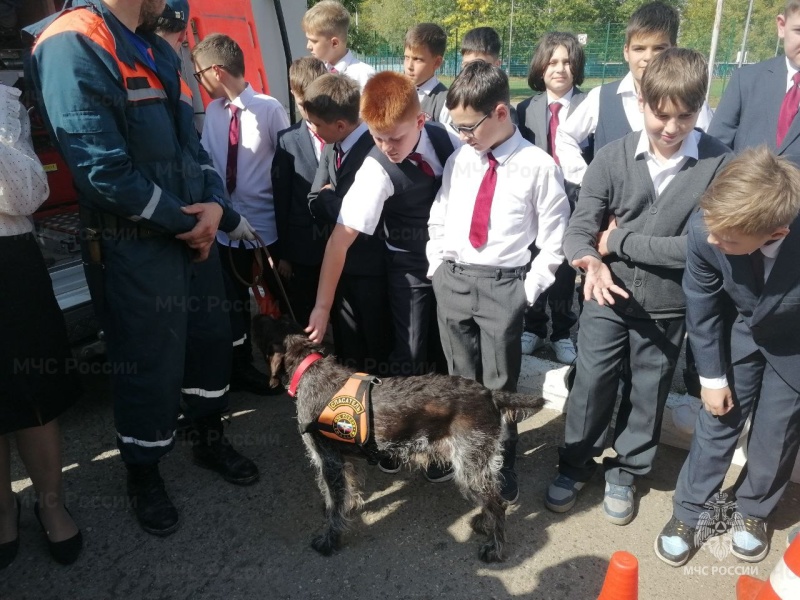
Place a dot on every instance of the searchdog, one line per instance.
(419, 420)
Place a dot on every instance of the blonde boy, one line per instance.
(325, 25)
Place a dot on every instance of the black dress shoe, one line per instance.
(246, 378)
(212, 450)
(66, 551)
(509, 489)
(153, 508)
(8, 550)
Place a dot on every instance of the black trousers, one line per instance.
(558, 297)
(302, 291)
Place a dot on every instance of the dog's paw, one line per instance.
(490, 552)
(479, 524)
(325, 544)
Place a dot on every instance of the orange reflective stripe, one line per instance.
(140, 82)
(186, 92)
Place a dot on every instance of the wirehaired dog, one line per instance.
(419, 420)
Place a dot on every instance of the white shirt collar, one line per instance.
(627, 85)
(688, 147)
(351, 139)
(790, 71)
(427, 87)
(564, 100)
(771, 250)
(507, 149)
(243, 99)
(344, 62)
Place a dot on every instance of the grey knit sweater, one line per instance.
(648, 248)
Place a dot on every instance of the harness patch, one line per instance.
(346, 417)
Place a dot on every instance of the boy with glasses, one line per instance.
(240, 133)
(499, 194)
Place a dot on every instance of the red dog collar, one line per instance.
(300, 371)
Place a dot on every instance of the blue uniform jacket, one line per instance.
(126, 132)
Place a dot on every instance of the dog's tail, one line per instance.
(513, 401)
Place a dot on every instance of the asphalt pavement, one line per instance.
(411, 541)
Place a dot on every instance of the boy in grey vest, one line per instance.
(425, 45)
(628, 234)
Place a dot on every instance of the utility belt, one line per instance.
(110, 226)
(497, 273)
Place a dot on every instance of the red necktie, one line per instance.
(233, 149)
(423, 166)
(337, 149)
(320, 140)
(551, 132)
(788, 109)
(479, 229)
(332, 70)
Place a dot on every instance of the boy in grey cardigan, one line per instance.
(628, 234)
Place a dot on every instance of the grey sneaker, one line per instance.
(618, 503)
(675, 542)
(562, 493)
(565, 351)
(531, 342)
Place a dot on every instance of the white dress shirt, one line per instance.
(663, 172)
(425, 90)
(23, 182)
(316, 143)
(770, 253)
(529, 204)
(347, 143)
(790, 73)
(261, 117)
(352, 67)
(575, 130)
(362, 206)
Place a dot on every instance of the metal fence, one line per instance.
(602, 44)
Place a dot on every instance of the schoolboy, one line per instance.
(499, 193)
(425, 45)
(760, 103)
(481, 43)
(556, 71)
(293, 170)
(358, 313)
(743, 251)
(392, 193)
(646, 185)
(326, 25)
(612, 110)
(240, 133)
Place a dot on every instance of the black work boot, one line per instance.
(153, 508)
(212, 450)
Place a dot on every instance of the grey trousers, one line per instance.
(771, 447)
(605, 339)
(480, 312)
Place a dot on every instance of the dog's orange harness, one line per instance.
(346, 418)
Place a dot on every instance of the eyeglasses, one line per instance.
(469, 131)
(199, 74)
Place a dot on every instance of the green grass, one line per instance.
(520, 90)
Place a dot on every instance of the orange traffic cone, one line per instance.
(622, 578)
(783, 582)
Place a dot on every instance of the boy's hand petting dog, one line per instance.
(602, 237)
(717, 402)
(598, 284)
(317, 324)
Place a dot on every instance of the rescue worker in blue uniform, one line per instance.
(111, 94)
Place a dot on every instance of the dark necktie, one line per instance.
(791, 101)
(337, 149)
(555, 107)
(423, 166)
(479, 229)
(233, 149)
(757, 262)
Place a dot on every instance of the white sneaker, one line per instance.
(565, 351)
(531, 342)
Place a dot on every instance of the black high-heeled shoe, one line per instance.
(8, 551)
(66, 551)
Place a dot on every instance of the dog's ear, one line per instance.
(267, 334)
(275, 369)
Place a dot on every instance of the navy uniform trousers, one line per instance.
(168, 339)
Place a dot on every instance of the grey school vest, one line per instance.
(612, 124)
(433, 103)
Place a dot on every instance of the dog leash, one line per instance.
(261, 251)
